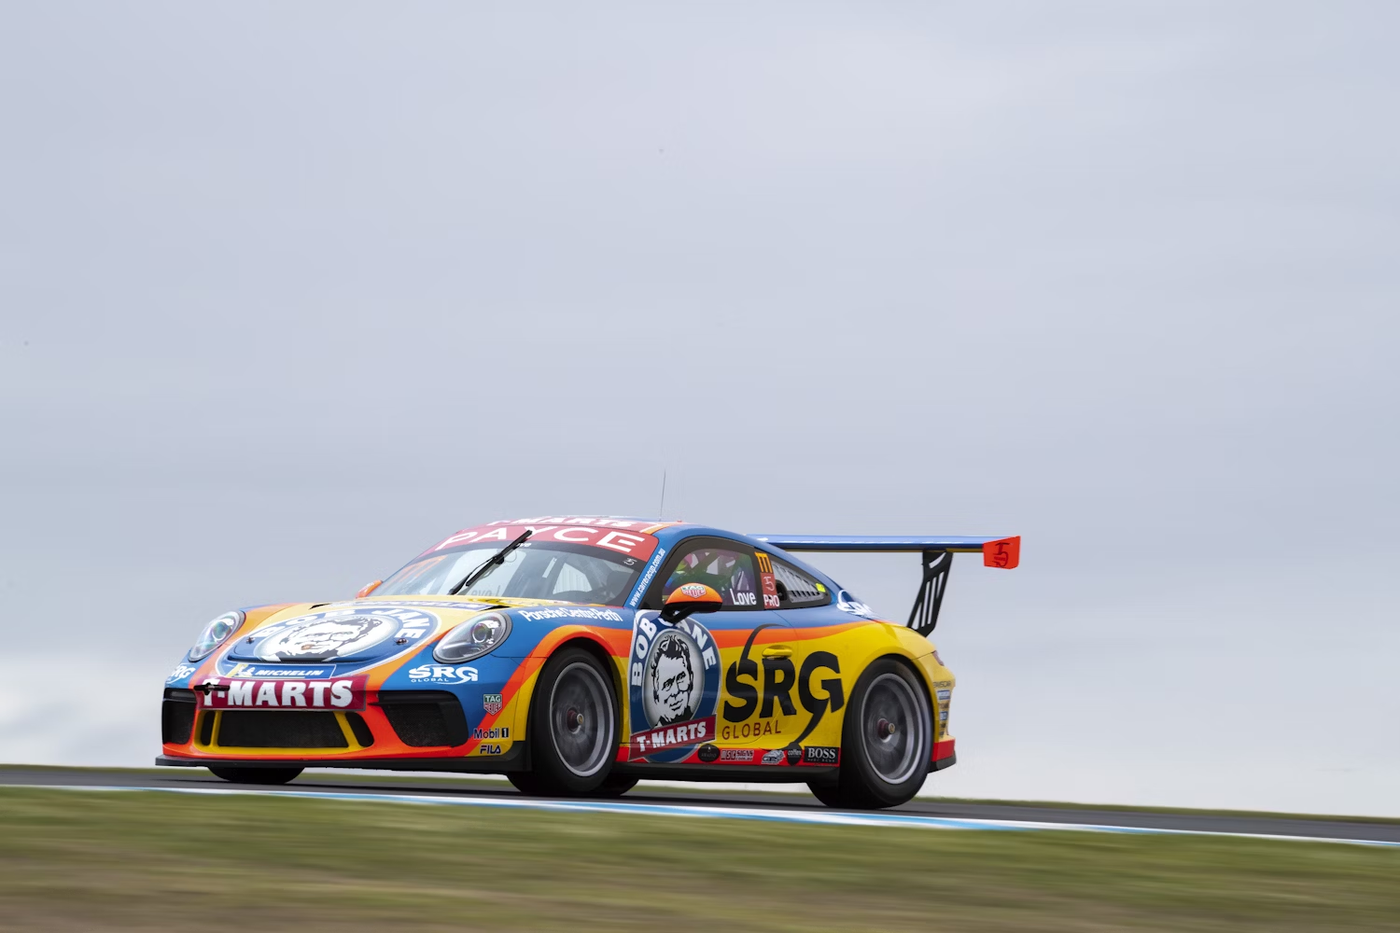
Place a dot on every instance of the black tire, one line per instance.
(524, 782)
(573, 728)
(828, 792)
(886, 741)
(615, 786)
(256, 775)
(527, 784)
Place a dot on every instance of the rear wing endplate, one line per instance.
(936, 556)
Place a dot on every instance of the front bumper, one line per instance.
(512, 760)
(421, 725)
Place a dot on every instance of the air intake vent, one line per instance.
(425, 717)
(280, 729)
(360, 729)
(177, 716)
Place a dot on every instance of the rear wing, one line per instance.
(936, 557)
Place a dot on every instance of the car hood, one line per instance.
(340, 638)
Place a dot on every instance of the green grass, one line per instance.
(151, 861)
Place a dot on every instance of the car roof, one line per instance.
(668, 532)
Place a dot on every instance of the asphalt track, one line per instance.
(797, 807)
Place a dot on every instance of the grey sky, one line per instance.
(289, 291)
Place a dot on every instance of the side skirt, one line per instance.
(749, 774)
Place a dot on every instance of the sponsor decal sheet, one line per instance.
(687, 705)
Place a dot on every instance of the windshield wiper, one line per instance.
(491, 564)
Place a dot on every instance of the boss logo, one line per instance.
(820, 755)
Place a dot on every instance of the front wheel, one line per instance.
(573, 728)
(256, 775)
(615, 786)
(885, 742)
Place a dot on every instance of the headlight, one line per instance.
(473, 638)
(215, 634)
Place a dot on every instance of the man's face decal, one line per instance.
(328, 636)
(671, 680)
(673, 683)
(327, 639)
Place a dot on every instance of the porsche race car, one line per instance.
(579, 654)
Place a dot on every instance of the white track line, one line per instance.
(820, 817)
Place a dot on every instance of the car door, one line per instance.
(802, 677)
(695, 683)
(759, 710)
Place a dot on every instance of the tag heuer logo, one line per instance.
(491, 702)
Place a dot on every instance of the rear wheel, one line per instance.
(573, 729)
(885, 742)
(256, 775)
(826, 791)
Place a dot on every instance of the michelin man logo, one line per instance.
(672, 690)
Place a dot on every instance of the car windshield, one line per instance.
(536, 570)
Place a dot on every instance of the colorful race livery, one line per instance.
(578, 655)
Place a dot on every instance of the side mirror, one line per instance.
(367, 589)
(689, 598)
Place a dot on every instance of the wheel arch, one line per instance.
(587, 640)
(595, 646)
(910, 664)
(921, 676)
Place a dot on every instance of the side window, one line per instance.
(796, 589)
(729, 570)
